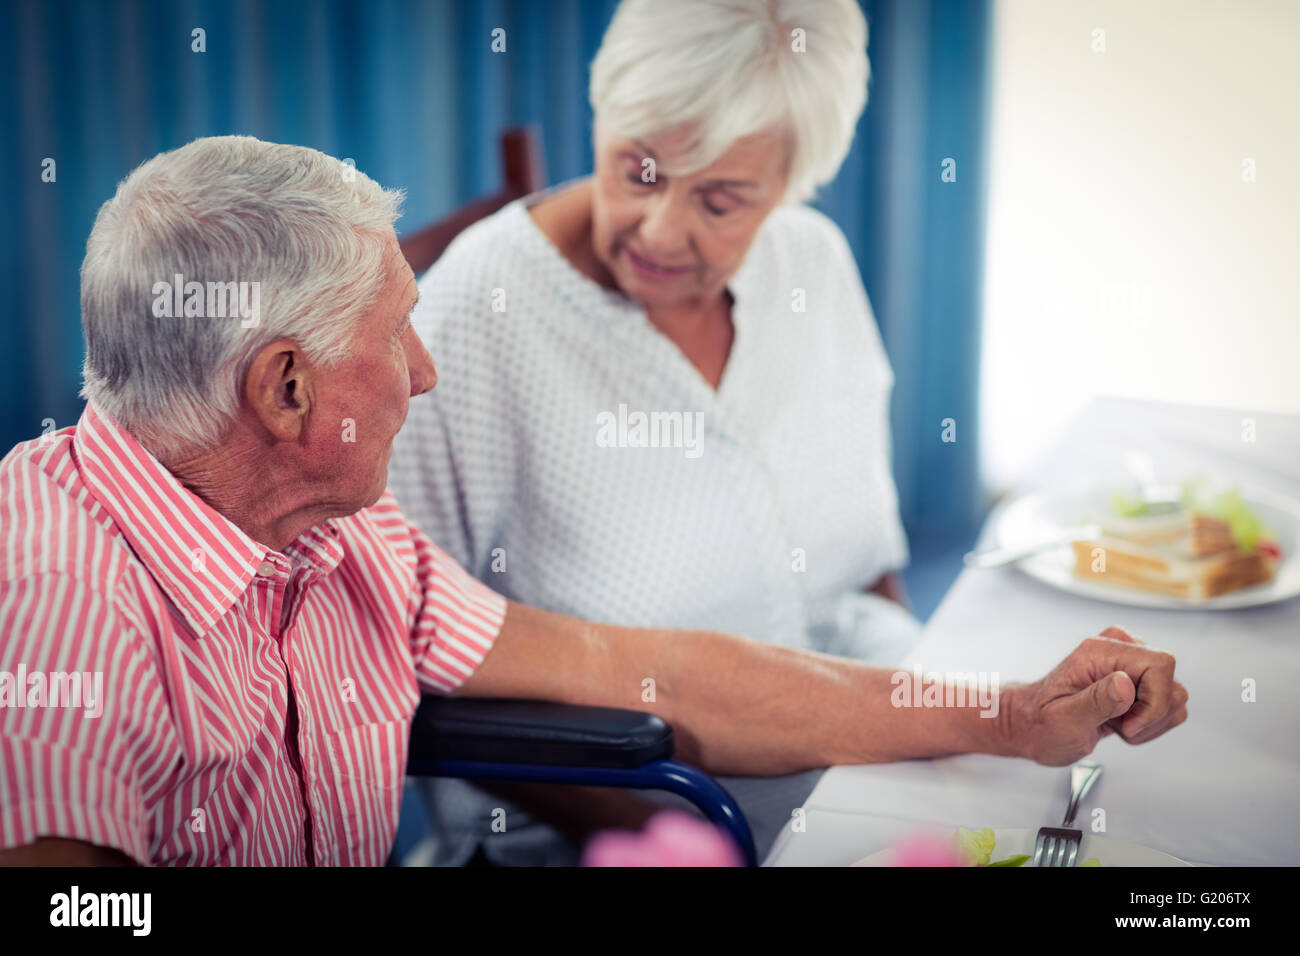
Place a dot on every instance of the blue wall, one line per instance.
(411, 92)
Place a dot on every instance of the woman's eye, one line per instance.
(719, 202)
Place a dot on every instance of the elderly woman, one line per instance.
(665, 399)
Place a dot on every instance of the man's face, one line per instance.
(361, 403)
(678, 240)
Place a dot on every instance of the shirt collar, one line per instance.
(200, 559)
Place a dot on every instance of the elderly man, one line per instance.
(214, 541)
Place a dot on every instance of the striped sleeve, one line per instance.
(456, 618)
(83, 738)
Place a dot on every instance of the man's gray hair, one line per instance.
(725, 69)
(310, 231)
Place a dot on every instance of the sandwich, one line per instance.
(1206, 548)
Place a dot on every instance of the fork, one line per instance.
(1001, 556)
(1059, 846)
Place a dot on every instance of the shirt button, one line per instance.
(266, 569)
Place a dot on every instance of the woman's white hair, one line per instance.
(311, 231)
(723, 69)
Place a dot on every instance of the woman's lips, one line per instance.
(651, 270)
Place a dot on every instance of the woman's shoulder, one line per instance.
(799, 236)
(800, 247)
(798, 244)
(493, 243)
(799, 223)
(473, 289)
(513, 238)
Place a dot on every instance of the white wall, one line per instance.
(1126, 255)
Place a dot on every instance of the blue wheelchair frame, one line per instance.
(536, 741)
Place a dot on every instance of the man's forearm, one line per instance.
(761, 709)
(736, 706)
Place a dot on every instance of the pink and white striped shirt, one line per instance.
(255, 704)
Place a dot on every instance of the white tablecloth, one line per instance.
(1222, 789)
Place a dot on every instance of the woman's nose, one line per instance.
(663, 228)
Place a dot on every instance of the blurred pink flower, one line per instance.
(670, 838)
(925, 849)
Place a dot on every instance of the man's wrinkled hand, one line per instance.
(1112, 683)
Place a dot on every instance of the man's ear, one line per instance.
(278, 389)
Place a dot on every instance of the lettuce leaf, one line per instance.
(975, 846)
(1247, 530)
(1127, 507)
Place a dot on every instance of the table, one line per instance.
(1221, 789)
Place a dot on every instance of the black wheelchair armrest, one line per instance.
(535, 732)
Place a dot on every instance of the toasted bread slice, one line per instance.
(1167, 568)
(1190, 535)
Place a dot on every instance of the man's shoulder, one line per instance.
(66, 572)
(387, 525)
(378, 532)
(50, 523)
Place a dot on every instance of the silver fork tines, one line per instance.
(1059, 846)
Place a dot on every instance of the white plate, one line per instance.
(1040, 514)
(1009, 842)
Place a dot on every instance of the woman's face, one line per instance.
(676, 241)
